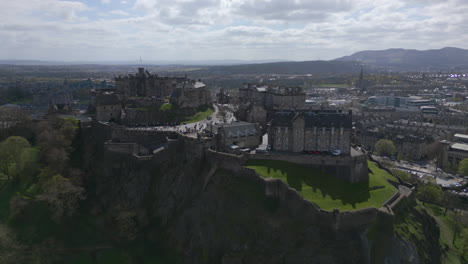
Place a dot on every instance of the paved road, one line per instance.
(442, 178)
(192, 129)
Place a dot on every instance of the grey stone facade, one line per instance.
(191, 94)
(108, 106)
(310, 131)
(273, 97)
(148, 85)
(241, 134)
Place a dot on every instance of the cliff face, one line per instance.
(181, 199)
(419, 230)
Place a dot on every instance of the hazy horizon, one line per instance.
(224, 30)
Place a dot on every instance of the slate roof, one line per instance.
(459, 147)
(313, 119)
(237, 129)
(191, 85)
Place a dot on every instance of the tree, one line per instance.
(124, 218)
(403, 175)
(62, 196)
(385, 147)
(55, 141)
(429, 191)
(11, 151)
(463, 167)
(450, 201)
(11, 251)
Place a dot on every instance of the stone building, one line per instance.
(259, 101)
(222, 97)
(191, 94)
(240, 134)
(108, 106)
(451, 153)
(274, 97)
(311, 131)
(147, 85)
(411, 141)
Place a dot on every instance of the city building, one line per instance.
(297, 131)
(273, 97)
(451, 154)
(235, 135)
(191, 94)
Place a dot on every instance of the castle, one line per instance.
(138, 98)
(144, 84)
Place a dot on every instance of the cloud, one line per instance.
(217, 29)
(280, 10)
(119, 13)
(106, 1)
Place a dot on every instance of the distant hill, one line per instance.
(410, 59)
(301, 67)
(145, 62)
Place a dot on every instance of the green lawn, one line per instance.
(199, 116)
(375, 168)
(325, 191)
(165, 107)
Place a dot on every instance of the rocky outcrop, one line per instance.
(208, 213)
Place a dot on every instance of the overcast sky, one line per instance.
(224, 29)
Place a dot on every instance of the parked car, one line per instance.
(325, 152)
(336, 152)
(261, 151)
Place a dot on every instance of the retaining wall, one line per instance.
(352, 169)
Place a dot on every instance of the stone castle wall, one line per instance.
(128, 148)
(300, 208)
(353, 169)
(273, 188)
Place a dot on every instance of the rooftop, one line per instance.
(463, 136)
(460, 147)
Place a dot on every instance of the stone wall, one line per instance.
(128, 148)
(107, 113)
(288, 198)
(353, 169)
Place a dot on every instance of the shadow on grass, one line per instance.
(301, 178)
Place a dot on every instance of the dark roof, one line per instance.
(235, 129)
(313, 119)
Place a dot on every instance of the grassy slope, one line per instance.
(374, 168)
(199, 116)
(408, 225)
(446, 232)
(325, 191)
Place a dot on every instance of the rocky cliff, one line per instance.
(181, 199)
